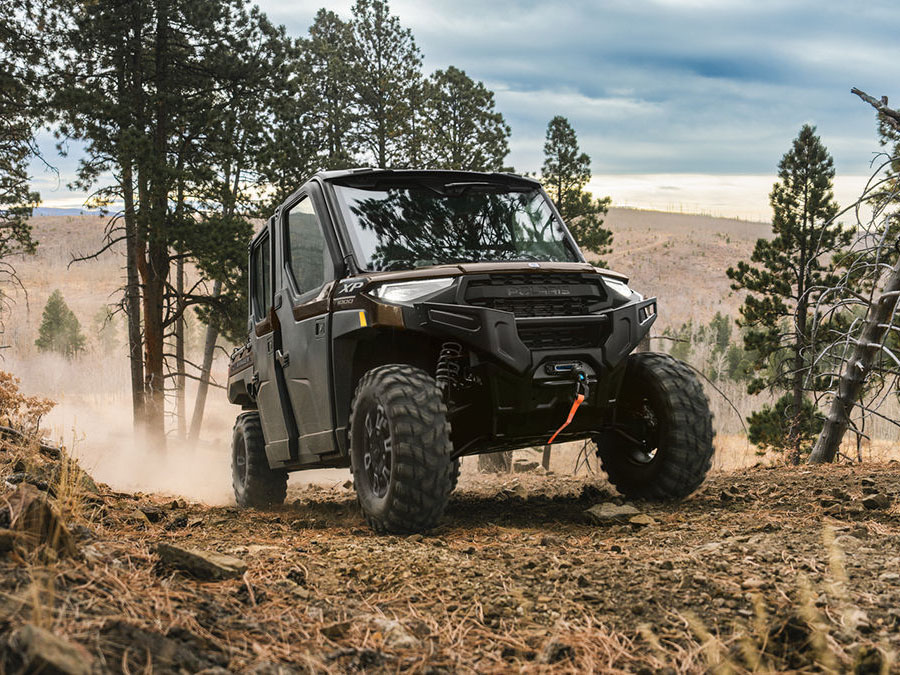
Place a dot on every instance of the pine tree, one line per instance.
(20, 100)
(327, 68)
(565, 173)
(184, 96)
(463, 131)
(786, 275)
(386, 70)
(60, 330)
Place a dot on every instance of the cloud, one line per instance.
(664, 86)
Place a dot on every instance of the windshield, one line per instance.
(412, 225)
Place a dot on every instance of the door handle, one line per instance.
(320, 328)
(282, 358)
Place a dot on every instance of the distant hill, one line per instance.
(53, 211)
(679, 258)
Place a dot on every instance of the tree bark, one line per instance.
(858, 368)
(157, 268)
(209, 347)
(133, 299)
(180, 411)
(797, 381)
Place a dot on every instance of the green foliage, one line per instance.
(20, 101)
(462, 129)
(60, 330)
(386, 74)
(711, 349)
(565, 173)
(776, 428)
(787, 272)
(327, 58)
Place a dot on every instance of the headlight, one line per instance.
(620, 288)
(405, 292)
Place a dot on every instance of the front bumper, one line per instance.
(606, 337)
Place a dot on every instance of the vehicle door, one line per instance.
(302, 306)
(263, 333)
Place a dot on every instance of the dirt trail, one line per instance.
(516, 578)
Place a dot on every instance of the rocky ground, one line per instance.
(769, 569)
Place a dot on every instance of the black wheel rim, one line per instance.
(377, 451)
(640, 427)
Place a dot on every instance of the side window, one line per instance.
(261, 285)
(307, 252)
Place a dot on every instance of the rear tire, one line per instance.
(400, 449)
(664, 411)
(255, 484)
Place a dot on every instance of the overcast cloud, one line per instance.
(701, 87)
(672, 86)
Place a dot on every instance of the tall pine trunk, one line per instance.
(797, 382)
(209, 348)
(180, 379)
(157, 267)
(133, 298)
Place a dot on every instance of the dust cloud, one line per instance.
(93, 420)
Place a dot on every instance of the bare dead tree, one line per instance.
(858, 357)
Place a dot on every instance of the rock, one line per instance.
(38, 522)
(556, 651)
(12, 605)
(347, 485)
(132, 647)
(70, 478)
(868, 659)
(608, 512)
(43, 652)
(524, 466)
(24, 477)
(641, 520)
(177, 523)
(201, 564)
(876, 501)
(752, 584)
(153, 513)
(395, 635)
(136, 517)
(8, 540)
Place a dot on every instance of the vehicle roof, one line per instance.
(363, 173)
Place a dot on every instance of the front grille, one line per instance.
(558, 337)
(538, 294)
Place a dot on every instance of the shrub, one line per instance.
(60, 330)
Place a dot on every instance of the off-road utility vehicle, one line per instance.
(400, 320)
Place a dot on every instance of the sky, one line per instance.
(684, 105)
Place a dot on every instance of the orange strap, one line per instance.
(578, 401)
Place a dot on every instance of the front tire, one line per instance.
(662, 447)
(400, 449)
(255, 484)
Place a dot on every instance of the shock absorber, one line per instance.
(448, 365)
